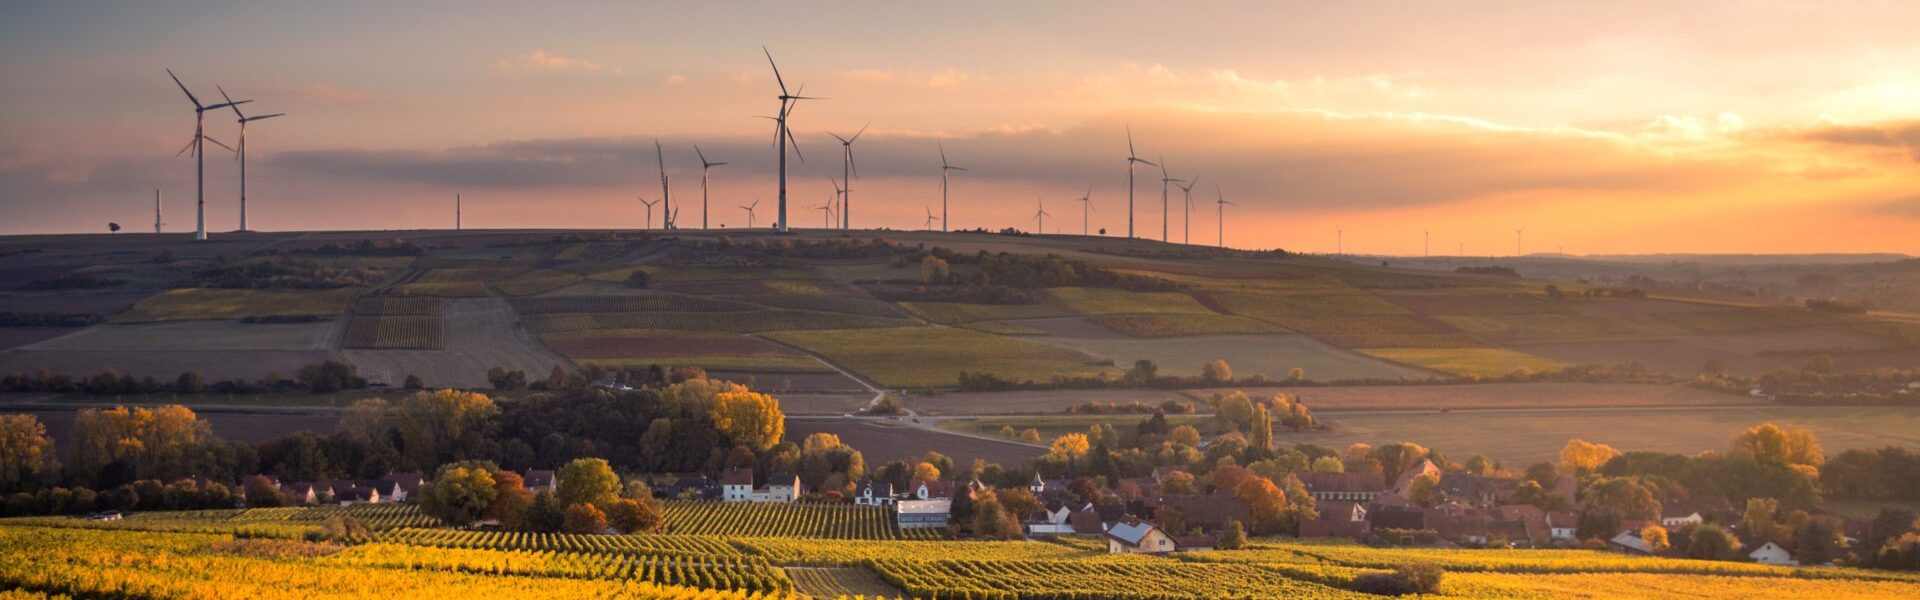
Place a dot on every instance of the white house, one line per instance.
(874, 493)
(1134, 536)
(1772, 554)
(737, 486)
(928, 489)
(1051, 522)
(916, 514)
(401, 487)
(539, 480)
(1561, 525)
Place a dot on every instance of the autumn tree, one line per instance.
(1177, 482)
(925, 471)
(1234, 538)
(1260, 440)
(934, 269)
(459, 493)
(1069, 447)
(636, 516)
(153, 443)
(1185, 435)
(992, 519)
(1234, 410)
(1267, 502)
(1217, 372)
(587, 481)
(584, 518)
(1656, 537)
(1229, 478)
(1621, 496)
(1773, 445)
(1581, 456)
(511, 500)
(26, 452)
(1018, 501)
(1711, 542)
(1422, 488)
(1031, 436)
(823, 456)
(1328, 464)
(747, 417)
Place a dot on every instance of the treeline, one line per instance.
(226, 272)
(1819, 382)
(73, 281)
(48, 319)
(1144, 374)
(393, 247)
(320, 378)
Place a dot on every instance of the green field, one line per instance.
(1103, 301)
(935, 356)
(208, 303)
(1466, 362)
(1542, 327)
(1153, 326)
(1282, 306)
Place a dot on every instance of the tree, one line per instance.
(1260, 426)
(1581, 456)
(1185, 435)
(1018, 501)
(1229, 478)
(260, 492)
(413, 382)
(1421, 490)
(154, 443)
(113, 227)
(1623, 497)
(1234, 538)
(1267, 502)
(1424, 578)
(747, 417)
(1773, 445)
(584, 518)
(925, 471)
(1006, 431)
(1479, 464)
(1761, 520)
(587, 481)
(190, 382)
(1328, 464)
(1710, 542)
(1216, 372)
(459, 494)
(26, 452)
(1177, 482)
(993, 520)
(1234, 410)
(1069, 447)
(934, 269)
(1818, 541)
(1031, 436)
(1656, 537)
(545, 515)
(511, 502)
(636, 516)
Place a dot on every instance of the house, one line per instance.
(781, 487)
(1411, 518)
(930, 489)
(1682, 512)
(918, 514)
(1403, 485)
(1050, 520)
(1344, 487)
(1338, 518)
(1193, 543)
(874, 493)
(1772, 554)
(1562, 524)
(1096, 518)
(1475, 490)
(401, 487)
(1047, 488)
(358, 495)
(1629, 541)
(1135, 536)
(691, 488)
(1209, 512)
(539, 480)
(737, 486)
(1468, 528)
(300, 493)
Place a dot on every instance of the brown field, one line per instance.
(534, 282)
(206, 303)
(1475, 301)
(395, 333)
(714, 351)
(1154, 326)
(636, 301)
(1036, 402)
(817, 404)
(393, 305)
(853, 305)
(194, 335)
(1744, 353)
(803, 383)
(14, 337)
(1345, 398)
(1070, 327)
(1274, 355)
(251, 427)
(480, 334)
(211, 364)
(882, 443)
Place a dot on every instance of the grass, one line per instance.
(710, 350)
(1283, 306)
(1004, 328)
(1248, 354)
(1051, 427)
(1103, 301)
(208, 303)
(1153, 326)
(1541, 327)
(852, 305)
(1466, 362)
(638, 302)
(934, 356)
(1722, 320)
(955, 313)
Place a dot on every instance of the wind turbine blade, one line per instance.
(1145, 162)
(183, 89)
(856, 135)
(843, 141)
(853, 164)
(1192, 183)
(796, 146)
(184, 149)
(1130, 152)
(776, 70)
(943, 153)
(230, 104)
(225, 104)
(217, 143)
(958, 168)
(263, 117)
(702, 155)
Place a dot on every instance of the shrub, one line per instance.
(1416, 578)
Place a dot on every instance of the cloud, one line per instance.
(1902, 135)
(1907, 207)
(675, 79)
(543, 61)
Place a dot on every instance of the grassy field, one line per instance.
(1163, 325)
(709, 350)
(1280, 306)
(1466, 362)
(934, 356)
(1273, 355)
(852, 305)
(954, 313)
(534, 282)
(208, 303)
(1542, 327)
(1103, 301)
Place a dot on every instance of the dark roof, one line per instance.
(875, 488)
(1193, 541)
(1207, 511)
(1393, 517)
(1707, 507)
(538, 478)
(1476, 488)
(738, 476)
(1343, 482)
(405, 481)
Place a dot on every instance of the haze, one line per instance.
(1622, 127)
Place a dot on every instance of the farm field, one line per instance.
(1101, 301)
(1466, 362)
(1157, 326)
(788, 520)
(1327, 399)
(1274, 355)
(934, 356)
(1525, 436)
(954, 313)
(172, 336)
(752, 321)
(883, 442)
(207, 303)
(396, 332)
(1028, 402)
(480, 333)
(712, 351)
(214, 365)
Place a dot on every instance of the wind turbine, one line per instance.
(930, 219)
(1086, 210)
(839, 199)
(704, 166)
(200, 157)
(749, 209)
(1221, 206)
(244, 119)
(649, 204)
(1426, 244)
(1131, 160)
(1517, 237)
(159, 226)
(1339, 241)
(848, 170)
(945, 167)
(782, 135)
(666, 194)
(826, 214)
(456, 211)
(1040, 216)
(1187, 222)
(1164, 180)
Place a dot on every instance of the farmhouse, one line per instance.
(1135, 536)
(539, 480)
(930, 489)
(400, 487)
(874, 493)
(1344, 487)
(1772, 554)
(1693, 511)
(1475, 490)
(299, 493)
(917, 514)
(1338, 518)
(1403, 485)
(1050, 520)
(1561, 525)
(737, 486)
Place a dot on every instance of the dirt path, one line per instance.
(840, 582)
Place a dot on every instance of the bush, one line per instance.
(1416, 578)
(584, 518)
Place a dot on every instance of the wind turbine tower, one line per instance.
(1187, 221)
(159, 226)
(1164, 180)
(1517, 238)
(1132, 159)
(705, 165)
(456, 212)
(200, 157)
(782, 135)
(244, 119)
(649, 204)
(1086, 211)
(1221, 206)
(1040, 216)
(749, 208)
(666, 194)
(945, 168)
(848, 171)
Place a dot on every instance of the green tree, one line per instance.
(26, 452)
(587, 481)
(933, 269)
(545, 515)
(1234, 410)
(1235, 536)
(459, 494)
(1710, 542)
(1329, 464)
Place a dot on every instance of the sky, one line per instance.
(1758, 126)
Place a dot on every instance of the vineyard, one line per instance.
(837, 521)
(396, 333)
(753, 321)
(400, 306)
(542, 305)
